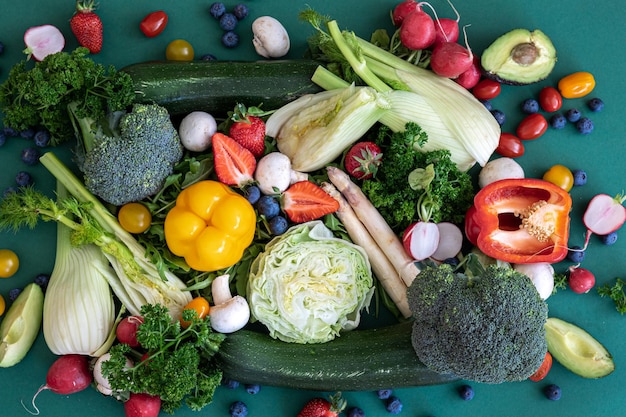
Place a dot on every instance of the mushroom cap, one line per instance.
(271, 39)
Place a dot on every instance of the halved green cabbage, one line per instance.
(307, 285)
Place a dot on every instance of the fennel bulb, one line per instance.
(307, 285)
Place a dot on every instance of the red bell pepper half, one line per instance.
(522, 220)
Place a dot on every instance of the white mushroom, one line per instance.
(499, 169)
(274, 174)
(196, 130)
(229, 313)
(271, 39)
(542, 276)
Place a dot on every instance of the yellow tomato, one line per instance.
(200, 305)
(3, 305)
(561, 176)
(179, 50)
(9, 263)
(577, 84)
(134, 217)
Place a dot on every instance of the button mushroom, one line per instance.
(274, 174)
(196, 130)
(229, 313)
(271, 39)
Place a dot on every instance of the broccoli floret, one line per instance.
(132, 160)
(486, 328)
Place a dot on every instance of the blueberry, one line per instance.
(238, 409)
(27, 133)
(42, 280)
(580, 177)
(451, 261)
(240, 11)
(383, 394)
(584, 125)
(487, 104)
(530, 106)
(3, 138)
(355, 412)
(595, 104)
(30, 156)
(278, 225)
(572, 115)
(8, 191)
(13, 293)
(499, 115)
(228, 21)
(230, 383)
(9, 132)
(42, 138)
(558, 121)
(1, 48)
(576, 254)
(609, 239)
(552, 392)
(466, 392)
(268, 206)
(393, 405)
(253, 388)
(217, 10)
(230, 39)
(23, 179)
(253, 194)
(208, 57)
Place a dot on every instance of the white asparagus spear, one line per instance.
(377, 226)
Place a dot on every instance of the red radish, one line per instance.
(402, 10)
(420, 240)
(580, 280)
(447, 30)
(142, 405)
(417, 30)
(450, 59)
(67, 375)
(126, 330)
(605, 214)
(470, 77)
(450, 241)
(42, 41)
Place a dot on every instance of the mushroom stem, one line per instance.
(220, 289)
(229, 313)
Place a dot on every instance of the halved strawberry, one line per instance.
(304, 201)
(234, 164)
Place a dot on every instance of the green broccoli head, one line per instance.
(487, 328)
(133, 164)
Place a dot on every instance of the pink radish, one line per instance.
(421, 239)
(605, 214)
(142, 405)
(471, 76)
(402, 10)
(450, 59)
(67, 375)
(450, 241)
(417, 30)
(580, 280)
(42, 41)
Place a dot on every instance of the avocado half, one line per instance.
(519, 57)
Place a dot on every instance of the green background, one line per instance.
(587, 36)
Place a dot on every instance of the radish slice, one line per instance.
(421, 239)
(42, 41)
(450, 241)
(604, 214)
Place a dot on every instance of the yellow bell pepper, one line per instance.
(210, 226)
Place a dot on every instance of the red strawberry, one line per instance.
(362, 160)
(304, 201)
(320, 407)
(234, 164)
(248, 129)
(87, 26)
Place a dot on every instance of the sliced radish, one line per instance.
(604, 214)
(450, 241)
(42, 41)
(421, 239)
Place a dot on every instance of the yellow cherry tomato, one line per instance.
(9, 263)
(3, 305)
(200, 305)
(134, 217)
(577, 84)
(179, 50)
(561, 176)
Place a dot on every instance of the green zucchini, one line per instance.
(359, 360)
(217, 86)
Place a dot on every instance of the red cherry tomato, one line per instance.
(486, 89)
(510, 145)
(532, 126)
(543, 369)
(154, 23)
(550, 99)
